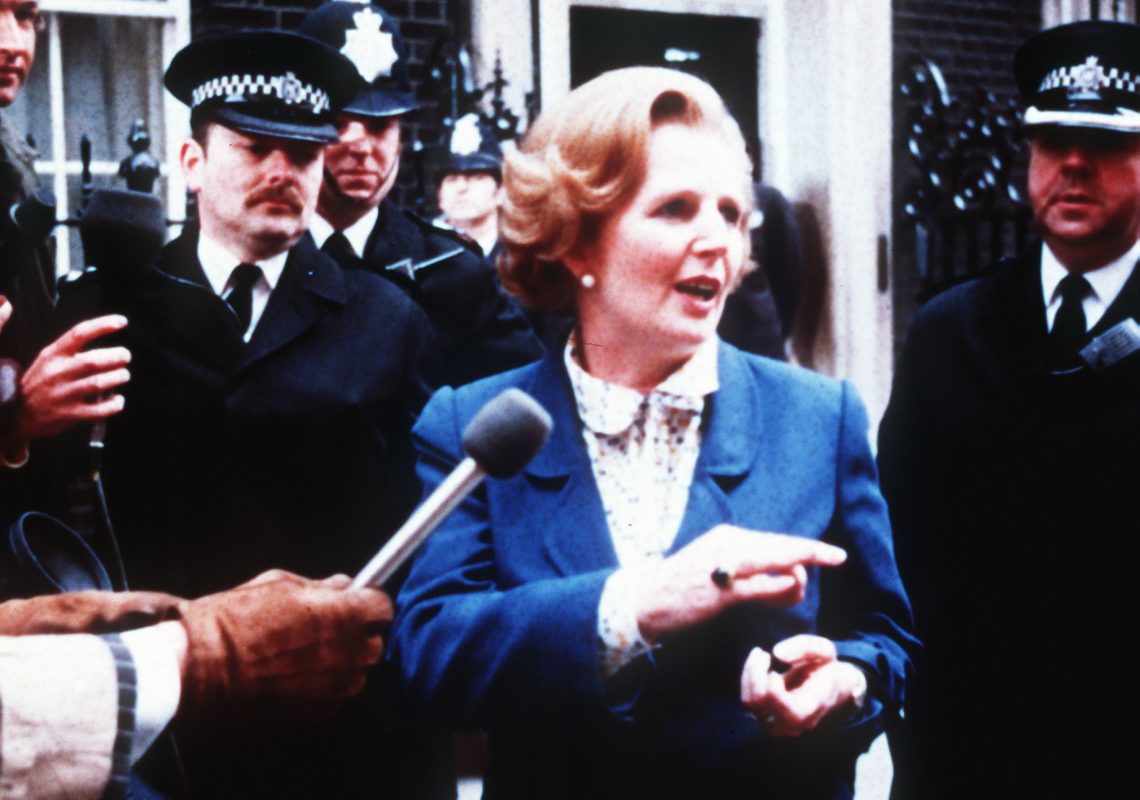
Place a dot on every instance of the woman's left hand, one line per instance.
(815, 686)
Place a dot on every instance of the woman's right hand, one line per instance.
(679, 592)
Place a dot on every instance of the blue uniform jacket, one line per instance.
(498, 620)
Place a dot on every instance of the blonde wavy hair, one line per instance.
(583, 160)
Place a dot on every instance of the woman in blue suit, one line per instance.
(691, 590)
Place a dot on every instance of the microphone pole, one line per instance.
(499, 441)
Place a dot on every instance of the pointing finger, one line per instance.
(774, 551)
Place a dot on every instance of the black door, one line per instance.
(721, 50)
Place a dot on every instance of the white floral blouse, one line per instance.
(643, 450)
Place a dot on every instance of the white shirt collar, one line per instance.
(488, 242)
(610, 408)
(1107, 283)
(218, 263)
(357, 233)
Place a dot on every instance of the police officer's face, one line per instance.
(19, 20)
(255, 193)
(467, 198)
(364, 163)
(1084, 186)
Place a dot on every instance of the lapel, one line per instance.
(576, 536)
(733, 441)
(310, 285)
(1124, 376)
(393, 239)
(1126, 304)
(1010, 315)
(176, 310)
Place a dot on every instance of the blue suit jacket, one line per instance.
(498, 621)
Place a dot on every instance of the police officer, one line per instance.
(268, 416)
(470, 177)
(480, 330)
(1008, 461)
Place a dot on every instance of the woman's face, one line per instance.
(665, 262)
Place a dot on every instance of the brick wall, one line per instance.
(422, 23)
(972, 42)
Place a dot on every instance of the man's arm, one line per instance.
(77, 710)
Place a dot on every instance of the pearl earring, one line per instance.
(588, 281)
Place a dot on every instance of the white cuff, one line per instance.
(618, 632)
(159, 683)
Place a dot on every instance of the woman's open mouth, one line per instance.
(702, 287)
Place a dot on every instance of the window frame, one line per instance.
(174, 16)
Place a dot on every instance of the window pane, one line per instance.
(112, 76)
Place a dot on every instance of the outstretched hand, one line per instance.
(817, 685)
(678, 592)
(281, 647)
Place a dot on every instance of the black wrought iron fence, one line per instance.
(961, 206)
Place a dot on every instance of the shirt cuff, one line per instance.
(159, 684)
(619, 636)
(859, 693)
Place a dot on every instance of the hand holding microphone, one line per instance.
(499, 441)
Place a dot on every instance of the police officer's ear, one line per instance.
(192, 156)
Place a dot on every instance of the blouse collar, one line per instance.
(609, 408)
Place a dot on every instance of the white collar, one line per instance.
(610, 408)
(218, 263)
(357, 233)
(1106, 281)
(488, 242)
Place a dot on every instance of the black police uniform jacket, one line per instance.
(291, 451)
(1013, 495)
(480, 330)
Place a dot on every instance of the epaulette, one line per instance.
(456, 244)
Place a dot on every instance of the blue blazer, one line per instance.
(498, 619)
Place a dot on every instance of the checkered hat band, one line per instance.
(283, 87)
(1112, 78)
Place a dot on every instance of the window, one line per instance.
(98, 68)
(1056, 12)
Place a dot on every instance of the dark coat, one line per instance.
(1013, 496)
(27, 279)
(292, 451)
(498, 620)
(480, 330)
(27, 264)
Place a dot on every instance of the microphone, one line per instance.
(499, 441)
(122, 233)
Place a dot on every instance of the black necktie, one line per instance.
(1069, 335)
(240, 297)
(338, 247)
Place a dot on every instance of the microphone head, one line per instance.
(122, 230)
(507, 433)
